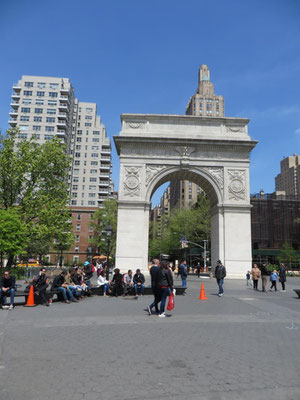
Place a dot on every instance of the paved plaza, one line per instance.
(242, 346)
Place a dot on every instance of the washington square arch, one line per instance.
(214, 153)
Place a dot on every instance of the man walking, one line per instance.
(220, 273)
(183, 272)
(154, 285)
(264, 276)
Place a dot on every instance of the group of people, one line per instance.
(262, 272)
(122, 284)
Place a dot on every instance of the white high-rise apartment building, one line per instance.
(46, 106)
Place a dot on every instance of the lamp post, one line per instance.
(108, 232)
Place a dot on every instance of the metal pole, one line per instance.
(107, 263)
(204, 255)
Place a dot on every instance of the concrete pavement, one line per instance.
(244, 345)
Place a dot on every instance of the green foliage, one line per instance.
(33, 179)
(193, 224)
(288, 254)
(101, 219)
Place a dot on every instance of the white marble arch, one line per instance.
(213, 153)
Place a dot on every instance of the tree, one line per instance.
(33, 178)
(288, 254)
(101, 219)
(12, 235)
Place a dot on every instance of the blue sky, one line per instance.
(139, 56)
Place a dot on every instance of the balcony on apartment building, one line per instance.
(61, 124)
(64, 90)
(14, 104)
(63, 106)
(104, 183)
(64, 98)
(16, 87)
(105, 159)
(103, 190)
(15, 95)
(62, 115)
(105, 167)
(12, 121)
(104, 174)
(105, 151)
(13, 113)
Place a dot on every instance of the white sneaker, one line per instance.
(11, 307)
(163, 315)
(5, 307)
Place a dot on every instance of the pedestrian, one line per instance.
(88, 274)
(165, 285)
(273, 279)
(198, 269)
(264, 273)
(154, 286)
(248, 276)
(282, 276)
(255, 272)
(183, 272)
(220, 273)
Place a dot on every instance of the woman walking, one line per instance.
(255, 272)
(282, 276)
(165, 285)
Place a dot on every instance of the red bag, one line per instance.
(93, 269)
(171, 303)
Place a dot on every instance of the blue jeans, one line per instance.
(105, 287)
(74, 290)
(183, 281)
(3, 295)
(164, 292)
(220, 283)
(65, 293)
(141, 286)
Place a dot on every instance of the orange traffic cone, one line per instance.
(202, 293)
(30, 300)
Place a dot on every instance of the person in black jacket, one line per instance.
(40, 285)
(138, 282)
(165, 285)
(264, 276)
(282, 276)
(220, 273)
(154, 274)
(7, 288)
(116, 284)
(60, 285)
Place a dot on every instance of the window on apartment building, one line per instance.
(39, 102)
(79, 109)
(74, 202)
(36, 136)
(25, 109)
(76, 248)
(92, 187)
(87, 124)
(79, 132)
(49, 128)
(48, 137)
(89, 110)
(77, 238)
(79, 139)
(37, 119)
(86, 140)
(24, 118)
(40, 94)
(93, 171)
(28, 84)
(36, 128)
(93, 179)
(95, 147)
(41, 85)
(94, 162)
(52, 103)
(23, 127)
(95, 140)
(77, 162)
(78, 217)
(78, 124)
(26, 101)
(38, 110)
(77, 154)
(51, 111)
(74, 195)
(75, 187)
(50, 119)
(83, 180)
(94, 155)
(91, 237)
(92, 194)
(22, 136)
(84, 163)
(53, 85)
(27, 92)
(78, 147)
(76, 179)
(52, 94)
(96, 132)
(91, 203)
(76, 171)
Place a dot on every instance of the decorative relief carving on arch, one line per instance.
(217, 174)
(151, 171)
(132, 182)
(185, 151)
(237, 184)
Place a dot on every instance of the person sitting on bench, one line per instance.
(101, 281)
(40, 284)
(60, 285)
(139, 281)
(116, 284)
(7, 288)
(128, 282)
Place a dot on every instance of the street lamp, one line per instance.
(108, 232)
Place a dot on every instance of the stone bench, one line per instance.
(148, 290)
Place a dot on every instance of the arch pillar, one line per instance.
(132, 235)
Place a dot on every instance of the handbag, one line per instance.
(171, 303)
